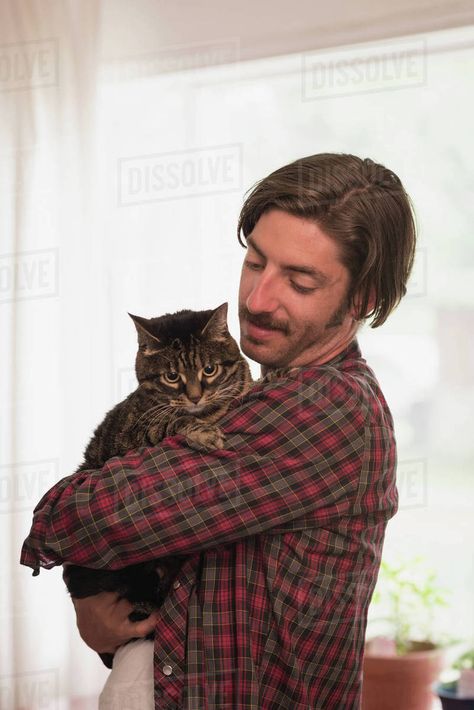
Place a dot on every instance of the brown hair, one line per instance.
(363, 206)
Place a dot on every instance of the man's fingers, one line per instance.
(123, 607)
(103, 621)
(140, 629)
(131, 629)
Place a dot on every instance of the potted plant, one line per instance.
(400, 667)
(456, 689)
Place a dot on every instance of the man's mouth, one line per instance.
(256, 331)
(260, 330)
(260, 326)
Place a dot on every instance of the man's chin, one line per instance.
(259, 352)
(252, 349)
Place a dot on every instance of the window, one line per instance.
(183, 147)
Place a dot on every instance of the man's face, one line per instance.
(293, 293)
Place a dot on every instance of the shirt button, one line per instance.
(167, 670)
(176, 585)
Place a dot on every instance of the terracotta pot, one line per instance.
(401, 682)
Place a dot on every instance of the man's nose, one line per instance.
(263, 296)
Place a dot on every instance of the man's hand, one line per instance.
(103, 622)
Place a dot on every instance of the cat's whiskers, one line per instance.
(155, 418)
(163, 408)
(227, 392)
(160, 417)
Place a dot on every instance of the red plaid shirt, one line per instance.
(283, 528)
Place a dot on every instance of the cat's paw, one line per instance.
(155, 434)
(205, 438)
(276, 374)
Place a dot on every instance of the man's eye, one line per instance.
(253, 265)
(302, 289)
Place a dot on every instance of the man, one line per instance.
(284, 528)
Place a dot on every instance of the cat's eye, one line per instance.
(210, 370)
(171, 377)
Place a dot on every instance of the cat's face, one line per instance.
(190, 360)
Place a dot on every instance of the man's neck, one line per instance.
(327, 352)
(334, 348)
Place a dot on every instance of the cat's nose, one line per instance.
(193, 390)
(194, 398)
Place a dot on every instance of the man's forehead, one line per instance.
(294, 231)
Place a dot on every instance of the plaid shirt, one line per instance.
(283, 530)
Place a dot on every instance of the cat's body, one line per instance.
(189, 370)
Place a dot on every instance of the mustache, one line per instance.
(262, 320)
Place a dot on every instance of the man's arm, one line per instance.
(293, 447)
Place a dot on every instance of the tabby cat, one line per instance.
(190, 370)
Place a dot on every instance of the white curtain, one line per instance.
(75, 256)
(50, 284)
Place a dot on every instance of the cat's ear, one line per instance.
(216, 326)
(148, 343)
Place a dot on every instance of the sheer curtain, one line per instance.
(50, 284)
(74, 258)
(121, 184)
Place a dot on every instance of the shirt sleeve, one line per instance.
(292, 447)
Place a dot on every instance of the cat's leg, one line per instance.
(200, 435)
(156, 433)
(130, 682)
(203, 436)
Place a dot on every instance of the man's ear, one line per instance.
(356, 303)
